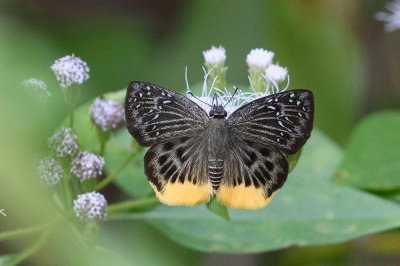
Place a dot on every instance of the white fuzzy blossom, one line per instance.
(107, 114)
(276, 73)
(87, 165)
(50, 171)
(37, 89)
(70, 70)
(90, 207)
(392, 18)
(258, 59)
(215, 56)
(64, 142)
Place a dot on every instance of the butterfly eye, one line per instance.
(225, 113)
(211, 113)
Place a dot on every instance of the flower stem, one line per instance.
(68, 195)
(21, 232)
(127, 205)
(30, 250)
(71, 116)
(114, 175)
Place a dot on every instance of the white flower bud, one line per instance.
(64, 142)
(50, 171)
(215, 56)
(87, 165)
(107, 114)
(91, 207)
(37, 89)
(276, 73)
(258, 59)
(70, 70)
(392, 19)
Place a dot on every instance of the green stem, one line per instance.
(127, 205)
(71, 116)
(22, 232)
(31, 250)
(68, 195)
(102, 147)
(114, 175)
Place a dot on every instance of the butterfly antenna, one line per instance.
(190, 93)
(236, 89)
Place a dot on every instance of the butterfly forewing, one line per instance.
(283, 121)
(154, 114)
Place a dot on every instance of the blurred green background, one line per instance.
(334, 48)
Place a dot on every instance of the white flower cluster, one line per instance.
(87, 165)
(215, 56)
(260, 60)
(107, 114)
(70, 70)
(64, 142)
(50, 171)
(37, 89)
(392, 19)
(91, 207)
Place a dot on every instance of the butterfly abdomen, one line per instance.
(215, 171)
(218, 138)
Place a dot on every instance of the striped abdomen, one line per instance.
(215, 171)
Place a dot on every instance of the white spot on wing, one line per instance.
(271, 107)
(298, 102)
(137, 106)
(156, 116)
(167, 101)
(163, 93)
(140, 94)
(148, 88)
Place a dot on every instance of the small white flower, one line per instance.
(87, 165)
(276, 73)
(107, 114)
(64, 142)
(70, 70)
(37, 89)
(258, 59)
(215, 56)
(50, 171)
(91, 207)
(392, 19)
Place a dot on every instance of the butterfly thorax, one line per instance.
(219, 137)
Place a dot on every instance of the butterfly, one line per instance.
(194, 155)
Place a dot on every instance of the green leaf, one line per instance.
(293, 160)
(214, 206)
(371, 159)
(102, 256)
(140, 244)
(308, 210)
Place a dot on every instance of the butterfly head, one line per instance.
(217, 110)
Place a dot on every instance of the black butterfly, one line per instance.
(193, 154)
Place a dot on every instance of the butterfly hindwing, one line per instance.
(176, 169)
(154, 114)
(282, 121)
(253, 174)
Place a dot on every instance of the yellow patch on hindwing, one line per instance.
(183, 194)
(242, 197)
